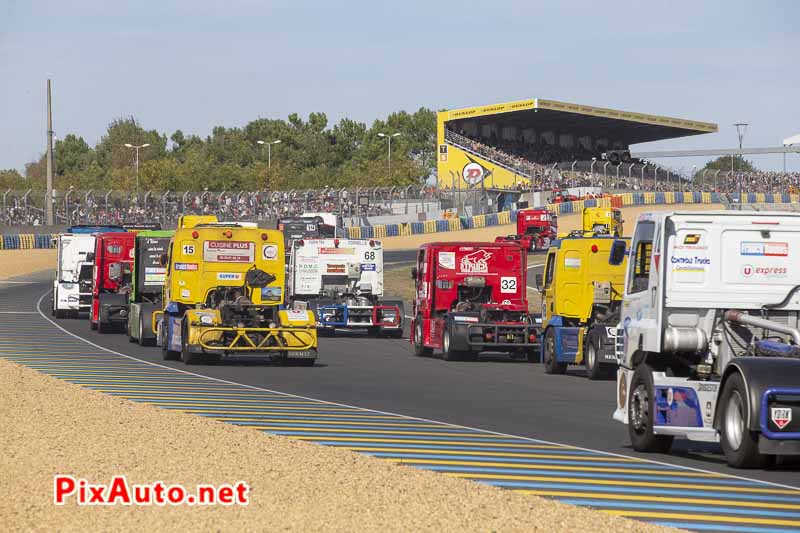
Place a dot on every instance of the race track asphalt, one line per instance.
(494, 394)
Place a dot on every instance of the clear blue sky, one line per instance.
(194, 65)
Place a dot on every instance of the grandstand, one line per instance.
(511, 145)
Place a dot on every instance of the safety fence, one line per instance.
(45, 240)
(565, 208)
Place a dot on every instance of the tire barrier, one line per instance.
(27, 241)
(380, 231)
(566, 208)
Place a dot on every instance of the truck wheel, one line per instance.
(420, 350)
(188, 356)
(449, 354)
(92, 325)
(641, 415)
(591, 358)
(60, 313)
(169, 355)
(142, 340)
(374, 331)
(101, 328)
(551, 364)
(739, 444)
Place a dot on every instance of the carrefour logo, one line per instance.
(473, 172)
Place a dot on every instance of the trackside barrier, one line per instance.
(29, 241)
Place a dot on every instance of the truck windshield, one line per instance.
(640, 257)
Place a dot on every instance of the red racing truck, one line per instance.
(113, 260)
(471, 298)
(536, 229)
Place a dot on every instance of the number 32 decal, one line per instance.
(508, 285)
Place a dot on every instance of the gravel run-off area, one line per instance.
(54, 427)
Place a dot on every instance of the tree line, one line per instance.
(312, 154)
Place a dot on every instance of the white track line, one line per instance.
(19, 282)
(528, 439)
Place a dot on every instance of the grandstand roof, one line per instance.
(579, 120)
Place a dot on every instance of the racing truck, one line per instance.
(581, 296)
(559, 196)
(599, 220)
(535, 229)
(72, 286)
(710, 341)
(342, 281)
(147, 284)
(111, 280)
(190, 221)
(471, 298)
(223, 296)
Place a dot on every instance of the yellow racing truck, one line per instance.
(603, 220)
(581, 298)
(223, 296)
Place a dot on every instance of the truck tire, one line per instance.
(739, 444)
(641, 414)
(142, 340)
(551, 364)
(188, 356)
(60, 313)
(420, 350)
(168, 355)
(448, 354)
(595, 369)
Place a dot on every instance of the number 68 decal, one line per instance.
(508, 285)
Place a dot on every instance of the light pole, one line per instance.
(741, 129)
(269, 150)
(382, 135)
(136, 159)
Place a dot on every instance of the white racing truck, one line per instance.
(72, 286)
(709, 343)
(341, 280)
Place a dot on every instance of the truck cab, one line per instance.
(72, 286)
(470, 298)
(536, 228)
(710, 346)
(111, 280)
(342, 281)
(190, 221)
(147, 284)
(224, 295)
(602, 220)
(581, 297)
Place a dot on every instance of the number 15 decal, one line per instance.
(188, 249)
(508, 285)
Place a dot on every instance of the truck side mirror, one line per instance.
(617, 255)
(90, 257)
(414, 273)
(538, 281)
(163, 260)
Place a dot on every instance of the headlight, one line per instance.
(206, 319)
(273, 325)
(73, 298)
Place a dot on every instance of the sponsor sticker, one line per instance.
(781, 416)
(767, 249)
(572, 262)
(447, 260)
(271, 293)
(186, 266)
(296, 315)
(154, 279)
(476, 262)
(465, 318)
(691, 238)
(229, 276)
(185, 293)
(337, 251)
(368, 267)
(229, 251)
(749, 271)
(336, 269)
(269, 252)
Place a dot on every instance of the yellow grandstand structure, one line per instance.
(470, 141)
